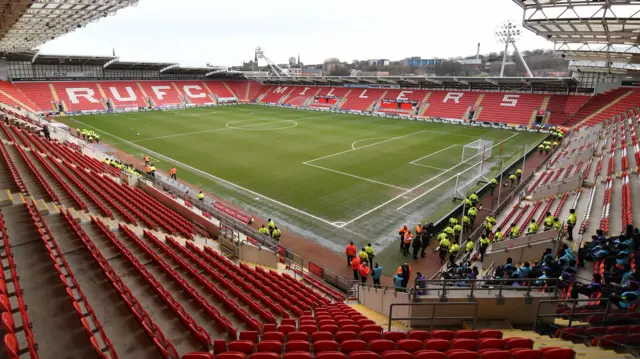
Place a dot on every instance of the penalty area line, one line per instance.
(354, 176)
(204, 174)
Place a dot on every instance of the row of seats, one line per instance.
(626, 201)
(303, 295)
(406, 348)
(373, 333)
(228, 280)
(164, 346)
(7, 309)
(223, 265)
(606, 206)
(51, 196)
(187, 321)
(229, 304)
(594, 104)
(98, 338)
(15, 180)
(519, 353)
(178, 279)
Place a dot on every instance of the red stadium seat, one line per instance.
(371, 328)
(463, 355)
(331, 328)
(364, 355)
(349, 346)
(430, 354)
(381, 345)
(269, 327)
(421, 335)
(309, 329)
(369, 336)
(466, 334)
(249, 335)
(325, 346)
(241, 346)
(513, 343)
(230, 356)
(271, 346)
(440, 345)
(490, 333)
(321, 336)
(11, 346)
(198, 356)
(297, 355)
(331, 355)
(264, 356)
(410, 345)
(468, 344)
(342, 336)
(492, 343)
(297, 336)
(396, 354)
(443, 334)
(297, 346)
(558, 353)
(495, 354)
(286, 329)
(8, 323)
(395, 336)
(273, 336)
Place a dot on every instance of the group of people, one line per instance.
(270, 230)
(419, 243)
(88, 135)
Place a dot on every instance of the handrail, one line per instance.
(572, 314)
(433, 316)
(528, 285)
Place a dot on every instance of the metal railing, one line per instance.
(572, 314)
(433, 316)
(551, 285)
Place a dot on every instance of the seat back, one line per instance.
(421, 335)
(410, 345)
(381, 345)
(443, 334)
(396, 354)
(349, 346)
(430, 354)
(297, 336)
(440, 345)
(273, 336)
(395, 336)
(11, 346)
(331, 355)
(325, 346)
(369, 336)
(297, 346)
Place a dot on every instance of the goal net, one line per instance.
(476, 152)
(475, 156)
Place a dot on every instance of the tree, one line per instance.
(340, 71)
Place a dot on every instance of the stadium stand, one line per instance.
(122, 259)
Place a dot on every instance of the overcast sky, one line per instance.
(194, 32)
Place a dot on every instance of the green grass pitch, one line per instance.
(331, 177)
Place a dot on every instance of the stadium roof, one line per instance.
(589, 31)
(513, 83)
(133, 65)
(26, 24)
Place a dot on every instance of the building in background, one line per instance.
(420, 62)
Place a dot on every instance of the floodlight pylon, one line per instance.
(259, 54)
(508, 33)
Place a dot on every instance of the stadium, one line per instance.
(154, 210)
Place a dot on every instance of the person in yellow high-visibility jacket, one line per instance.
(533, 227)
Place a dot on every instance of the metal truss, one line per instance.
(606, 21)
(24, 25)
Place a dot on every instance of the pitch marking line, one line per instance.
(146, 150)
(426, 166)
(353, 145)
(431, 154)
(354, 176)
(412, 189)
(213, 130)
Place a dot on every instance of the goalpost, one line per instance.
(475, 156)
(476, 152)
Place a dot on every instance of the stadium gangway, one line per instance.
(572, 314)
(526, 285)
(433, 317)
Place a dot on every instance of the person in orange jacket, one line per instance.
(402, 232)
(173, 173)
(351, 251)
(364, 272)
(355, 267)
(407, 243)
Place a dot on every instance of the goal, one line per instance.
(476, 152)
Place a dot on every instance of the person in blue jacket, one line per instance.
(376, 274)
(397, 280)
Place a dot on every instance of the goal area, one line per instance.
(476, 152)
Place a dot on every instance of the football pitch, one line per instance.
(330, 177)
